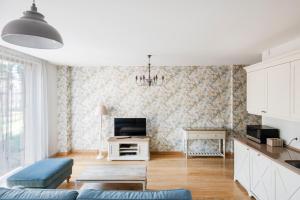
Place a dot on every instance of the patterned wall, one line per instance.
(64, 100)
(240, 116)
(192, 97)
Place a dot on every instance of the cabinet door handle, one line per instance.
(247, 149)
(258, 154)
(263, 111)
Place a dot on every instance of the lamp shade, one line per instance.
(32, 31)
(103, 110)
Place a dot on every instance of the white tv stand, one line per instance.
(128, 148)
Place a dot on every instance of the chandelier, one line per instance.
(147, 80)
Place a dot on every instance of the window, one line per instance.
(11, 115)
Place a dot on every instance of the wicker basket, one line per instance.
(275, 142)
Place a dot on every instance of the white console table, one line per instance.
(205, 134)
(124, 148)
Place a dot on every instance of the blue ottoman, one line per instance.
(48, 173)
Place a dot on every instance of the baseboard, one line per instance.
(179, 153)
(173, 153)
(229, 154)
(58, 154)
(79, 151)
(83, 151)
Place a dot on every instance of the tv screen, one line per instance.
(130, 126)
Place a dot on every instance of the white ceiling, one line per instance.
(176, 32)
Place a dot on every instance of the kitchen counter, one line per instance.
(277, 154)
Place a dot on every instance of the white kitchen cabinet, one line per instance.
(273, 87)
(295, 73)
(242, 164)
(287, 184)
(262, 176)
(279, 91)
(257, 92)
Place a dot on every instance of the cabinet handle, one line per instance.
(258, 154)
(247, 149)
(263, 111)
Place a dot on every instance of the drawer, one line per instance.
(206, 135)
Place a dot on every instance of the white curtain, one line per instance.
(11, 114)
(36, 113)
(35, 100)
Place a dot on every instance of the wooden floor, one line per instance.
(206, 178)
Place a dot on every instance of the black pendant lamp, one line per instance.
(32, 31)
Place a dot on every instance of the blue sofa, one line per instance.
(48, 194)
(48, 173)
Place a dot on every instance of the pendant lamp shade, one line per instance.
(32, 31)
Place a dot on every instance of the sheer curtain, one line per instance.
(36, 113)
(23, 108)
(12, 95)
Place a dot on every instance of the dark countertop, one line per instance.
(277, 154)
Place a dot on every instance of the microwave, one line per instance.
(260, 133)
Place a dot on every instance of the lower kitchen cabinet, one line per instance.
(262, 176)
(242, 165)
(287, 184)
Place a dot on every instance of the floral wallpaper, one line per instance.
(64, 117)
(239, 98)
(213, 96)
(240, 116)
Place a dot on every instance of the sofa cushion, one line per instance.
(142, 195)
(37, 194)
(41, 174)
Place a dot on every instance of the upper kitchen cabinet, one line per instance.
(273, 87)
(257, 92)
(295, 73)
(278, 92)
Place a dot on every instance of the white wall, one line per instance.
(52, 109)
(288, 129)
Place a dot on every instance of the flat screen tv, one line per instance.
(130, 126)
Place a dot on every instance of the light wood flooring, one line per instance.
(206, 178)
